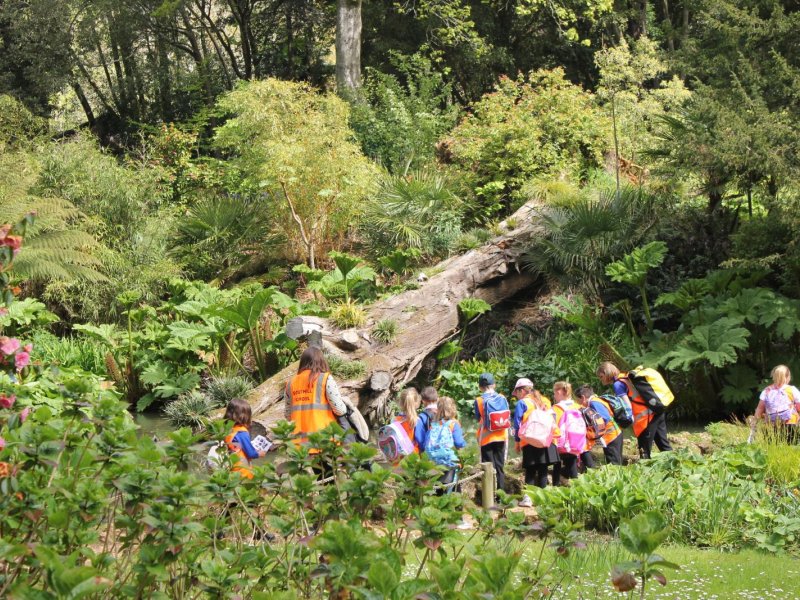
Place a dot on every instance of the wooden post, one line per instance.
(487, 489)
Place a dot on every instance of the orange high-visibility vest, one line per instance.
(612, 431)
(311, 410)
(242, 466)
(487, 437)
(642, 415)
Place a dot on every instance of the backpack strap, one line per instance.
(632, 393)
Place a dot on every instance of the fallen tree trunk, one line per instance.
(426, 318)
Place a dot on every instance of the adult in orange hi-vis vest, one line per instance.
(312, 399)
(647, 426)
(492, 443)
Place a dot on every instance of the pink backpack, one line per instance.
(394, 442)
(573, 432)
(537, 429)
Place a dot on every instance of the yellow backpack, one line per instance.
(653, 389)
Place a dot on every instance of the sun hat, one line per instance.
(523, 382)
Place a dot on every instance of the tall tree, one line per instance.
(348, 46)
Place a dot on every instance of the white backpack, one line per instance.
(537, 429)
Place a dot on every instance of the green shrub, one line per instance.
(541, 127)
(18, 126)
(732, 508)
(345, 369)
(348, 314)
(293, 143)
(68, 352)
(413, 211)
(385, 331)
(221, 389)
(472, 239)
(398, 125)
(460, 382)
(190, 410)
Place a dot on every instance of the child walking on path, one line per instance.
(571, 441)
(535, 460)
(490, 410)
(779, 404)
(430, 397)
(409, 402)
(601, 428)
(238, 440)
(444, 438)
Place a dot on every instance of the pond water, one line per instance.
(153, 424)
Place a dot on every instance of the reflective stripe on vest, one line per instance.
(310, 409)
(642, 415)
(612, 429)
(487, 437)
(243, 464)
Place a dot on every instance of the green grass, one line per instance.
(704, 574)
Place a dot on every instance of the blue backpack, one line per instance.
(496, 414)
(440, 446)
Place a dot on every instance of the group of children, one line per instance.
(552, 436)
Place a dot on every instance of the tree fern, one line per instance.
(56, 248)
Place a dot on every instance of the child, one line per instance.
(238, 440)
(567, 416)
(610, 438)
(535, 461)
(408, 402)
(779, 403)
(429, 397)
(492, 437)
(442, 445)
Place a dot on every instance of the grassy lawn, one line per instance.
(704, 574)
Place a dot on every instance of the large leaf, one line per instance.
(741, 383)
(752, 305)
(575, 310)
(344, 262)
(105, 333)
(472, 307)
(189, 336)
(247, 311)
(687, 296)
(176, 386)
(716, 344)
(633, 268)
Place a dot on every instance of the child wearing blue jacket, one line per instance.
(447, 417)
(429, 397)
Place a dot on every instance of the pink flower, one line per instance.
(2, 443)
(8, 345)
(12, 241)
(24, 414)
(21, 360)
(28, 347)
(7, 401)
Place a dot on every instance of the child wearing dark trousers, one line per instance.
(492, 443)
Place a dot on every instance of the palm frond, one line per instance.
(581, 239)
